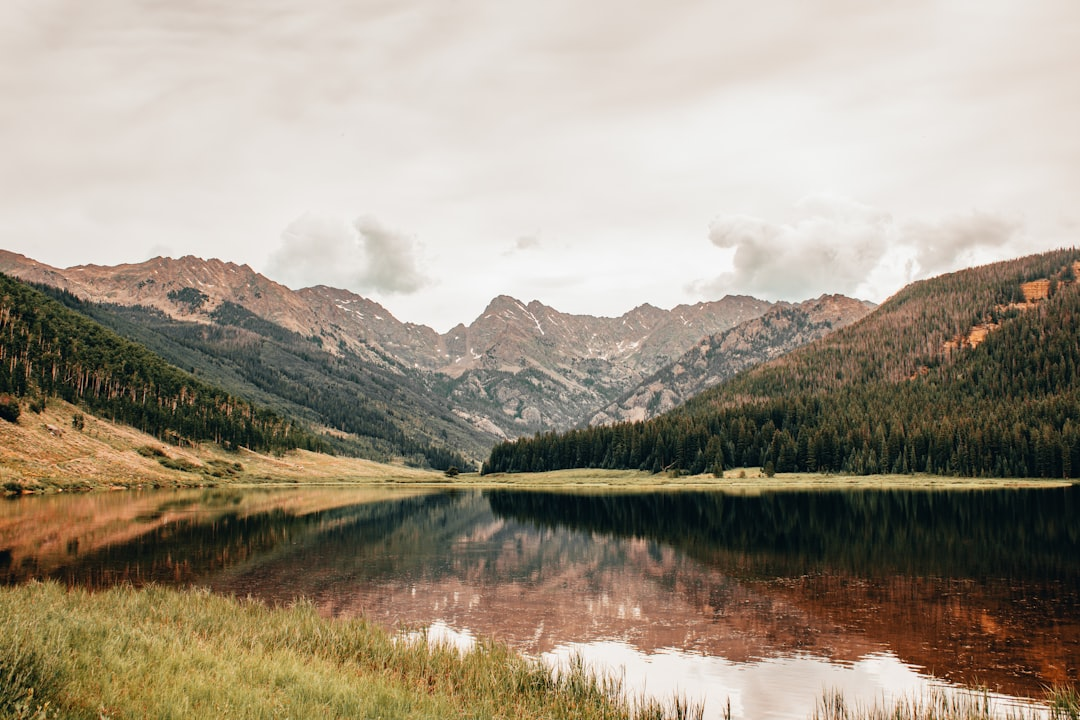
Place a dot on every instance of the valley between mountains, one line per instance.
(388, 389)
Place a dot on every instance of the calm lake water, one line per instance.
(764, 600)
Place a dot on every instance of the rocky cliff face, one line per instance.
(781, 329)
(530, 367)
(363, 326)
(516, 369)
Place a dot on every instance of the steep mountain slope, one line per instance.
(191, 289)
(49, 350)
(638, 341)
(971, 373)
(369, 410)
(365, 328)
(718, 357)
(530, 368)
(515, 370)
(185, 288)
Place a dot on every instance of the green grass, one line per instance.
(163, 653)
(1063, 704)
(740, 480)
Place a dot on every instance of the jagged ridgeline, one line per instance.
(48, 350)
(971, 373)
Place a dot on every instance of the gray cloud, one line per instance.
(835, 244)
(610, 127)
(391, 264)
(363, 255)
(955, 241)
(527, 242)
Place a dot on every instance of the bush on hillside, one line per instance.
(9, 408)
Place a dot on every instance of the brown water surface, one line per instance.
(763, 599)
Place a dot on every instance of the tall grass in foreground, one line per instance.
(1062, 704)
(162, 653)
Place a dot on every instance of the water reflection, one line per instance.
(181, 537)
(978, 586)
(738, 595)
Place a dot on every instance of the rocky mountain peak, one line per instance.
(718, 356)
(518, 367)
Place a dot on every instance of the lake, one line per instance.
(761, 600)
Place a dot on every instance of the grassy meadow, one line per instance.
(739, 480)
(43, 452)
(162, 653)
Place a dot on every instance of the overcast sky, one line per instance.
(591, 155)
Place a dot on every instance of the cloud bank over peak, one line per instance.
(362, 255)
(834, 244)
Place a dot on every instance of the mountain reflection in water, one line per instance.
(973, 586)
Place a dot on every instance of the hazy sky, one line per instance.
(590, 155)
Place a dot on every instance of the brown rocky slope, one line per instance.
(718, 357)
(516, 369)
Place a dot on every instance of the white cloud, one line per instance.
(607, 129)
(363, 255)
(835, 244)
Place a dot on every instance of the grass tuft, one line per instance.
(22, 673)
(1064, 703)
(937, 704)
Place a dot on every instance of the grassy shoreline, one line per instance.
(743, 481)
(43, 453)
(158, 652)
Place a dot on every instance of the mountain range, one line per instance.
(970, 373)
(345, 364)
(715, 358)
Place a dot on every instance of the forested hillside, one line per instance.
(371, 414)
(48, 350)
(971, 373)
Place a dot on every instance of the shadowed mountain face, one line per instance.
(516, 369)
(978, 587)
(781, 329)
(530, 368)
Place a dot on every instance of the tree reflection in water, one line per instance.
(972, 586)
